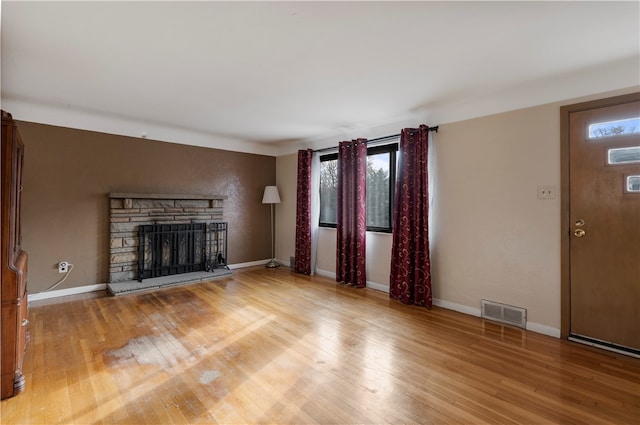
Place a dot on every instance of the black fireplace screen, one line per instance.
(168, 249)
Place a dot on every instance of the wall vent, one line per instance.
(516, 316)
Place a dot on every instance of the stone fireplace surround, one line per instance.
(129, 210)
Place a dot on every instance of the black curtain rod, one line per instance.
(379, 139)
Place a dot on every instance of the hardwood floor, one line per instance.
(271, 346)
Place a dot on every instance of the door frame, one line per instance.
(565, 224)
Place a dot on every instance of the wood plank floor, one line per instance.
(270, 346)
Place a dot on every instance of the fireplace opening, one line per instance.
(170, 249)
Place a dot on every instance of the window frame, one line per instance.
(392, 150)
(326, 158)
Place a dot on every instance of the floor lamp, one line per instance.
(271, 196)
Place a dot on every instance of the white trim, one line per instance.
(531, 326)
(248, 264)
(378, 286)
(64, 292)
(39, 112)
(543, 329)
(460, 308)
(283, 263)
(457, 307)
(324, 273)
(102, 286)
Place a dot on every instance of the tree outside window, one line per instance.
(381, 168)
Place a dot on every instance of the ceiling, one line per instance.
(269, 77)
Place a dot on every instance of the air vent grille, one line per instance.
(503, 313)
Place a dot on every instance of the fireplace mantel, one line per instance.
(125, 195)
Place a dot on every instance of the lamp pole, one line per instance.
(271, 196)
(273, 263)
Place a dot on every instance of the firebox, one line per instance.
(168, 249)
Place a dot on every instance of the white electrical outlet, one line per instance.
(63, 267)
(547, 192)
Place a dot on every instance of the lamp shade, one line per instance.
(271, 195)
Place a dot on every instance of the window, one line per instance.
(633, 184)
(614, 128)
(329, 190)
(381, 179)
(381, 184)
(623, 155)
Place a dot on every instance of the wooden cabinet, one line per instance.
(13, 289)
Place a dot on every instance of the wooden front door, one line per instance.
(602, 219)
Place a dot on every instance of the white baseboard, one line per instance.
(284, 263)
(378, 286)
(248, 264)
(101, 286)
(324, 273)
(543, 329)
(531, 326)
(457, 307)
(64, 292)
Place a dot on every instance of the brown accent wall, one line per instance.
(67, 177)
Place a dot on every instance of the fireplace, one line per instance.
(169, 249)
(153, 235)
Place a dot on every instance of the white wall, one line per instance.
(492, 238)
(286, 179)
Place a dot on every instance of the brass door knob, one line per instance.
(578, 233)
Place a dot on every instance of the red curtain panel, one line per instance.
(352, 213)
(303, 213)
(410, 277)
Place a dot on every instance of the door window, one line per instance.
(623, 155)
(614, 128)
